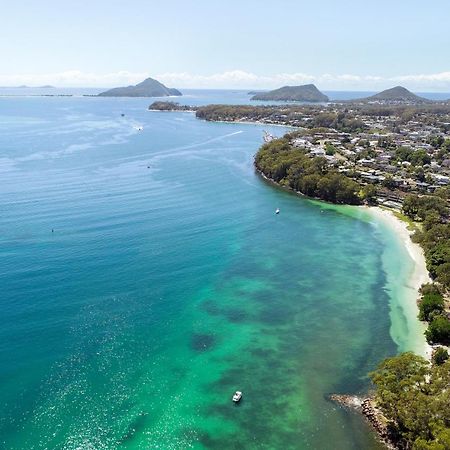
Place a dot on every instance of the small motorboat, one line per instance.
(277, 211)
(237, 396)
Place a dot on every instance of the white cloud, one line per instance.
(74, 78)
(242, 79)
(233, 79)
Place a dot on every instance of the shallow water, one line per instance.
(168, 282)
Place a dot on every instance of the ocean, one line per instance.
(146, 277)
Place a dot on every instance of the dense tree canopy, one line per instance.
(293, 168)
(415, 397)
(435, 234)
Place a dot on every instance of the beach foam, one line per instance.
(406, 330)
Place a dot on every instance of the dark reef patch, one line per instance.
(202, 342)
(236, 315)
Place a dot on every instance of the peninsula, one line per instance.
(305, 93)
(147, 88)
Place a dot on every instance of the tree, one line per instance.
(419, 158)
(368, 193)
(414, 396)
(330, 149)
(443, 273)
(419, 174)
(438, 331)
(388, 182)
(430, 303)
(411, 205)
(394, 378)
(440, 356)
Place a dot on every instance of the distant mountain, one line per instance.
(47, 86)
(305, 93)
(397, 94)
(147, 88)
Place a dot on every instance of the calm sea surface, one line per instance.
(145, 277)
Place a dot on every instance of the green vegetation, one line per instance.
(339, 117)
(424, 207)
(435, 234)
(438, 331)
(417, 157)
(434, 237)
(368, 193)
(341, 121)
(440, 356)
(291, 167)
(431, 304)
(169, 106)
(289, 114)
(415, 398)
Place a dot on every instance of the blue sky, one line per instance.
(344, 44)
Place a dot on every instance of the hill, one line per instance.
(305, 93)
(397, 94)
(147, 88)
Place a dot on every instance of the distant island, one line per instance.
(397, 94)
(170, 106)
(147, 88)
(24, 86)
(305, 93)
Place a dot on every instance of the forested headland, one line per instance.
(414, 397)
(293, 168)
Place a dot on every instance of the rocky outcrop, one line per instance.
(367, 407)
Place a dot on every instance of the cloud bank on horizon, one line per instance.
(234, 79)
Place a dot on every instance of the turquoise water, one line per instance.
(168, 283)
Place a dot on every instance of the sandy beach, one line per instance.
(418, 276)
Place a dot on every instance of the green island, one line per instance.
(304, 93)
(147, 88)
(396, 95)
(169, 106)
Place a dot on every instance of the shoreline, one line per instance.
(252, 122)
(406, 330)
(419, 276)
(413, 338)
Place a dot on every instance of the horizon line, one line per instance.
(231, 79)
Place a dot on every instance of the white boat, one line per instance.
(268, 137)
(277, 211)
(237, 396)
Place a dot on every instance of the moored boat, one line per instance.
(237, 396)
